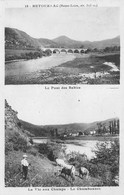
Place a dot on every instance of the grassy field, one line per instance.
(42, 173)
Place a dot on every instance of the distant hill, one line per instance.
(64, 41)
(35, 130)
(47, 43)
(104, 43)
(65, 128)
(16, 39)
(67, 42)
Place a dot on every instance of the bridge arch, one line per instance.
(63, 50)
(56, 51)
(48, 51)
(70, 51)
(82, 51)
(76, 51)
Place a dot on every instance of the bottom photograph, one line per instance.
(60, 141)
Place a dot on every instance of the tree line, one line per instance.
(112, 128)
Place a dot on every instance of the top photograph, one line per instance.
(67, 45)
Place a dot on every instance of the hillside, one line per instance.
(47, 43)
(66, 128)
(16, 39)
(104, 43)
(15, 136)
(35, 130)
(46, 129)
(66, 42)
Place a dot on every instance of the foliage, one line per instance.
(26, 55)
(77, 159)
(110, 49)
(18, 142)
(107, 155)
(8, 147)
(32, 150)
(104, 166)
(31, 141)
(52, 150)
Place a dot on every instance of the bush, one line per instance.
(52, 150)
(18, 142)
(77, 159)
(33, 151)
(31, 140)
(108, 153)
(107, 161)
(105, 166)
(8, 147)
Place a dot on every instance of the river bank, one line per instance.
(85, 145)
(65, 69)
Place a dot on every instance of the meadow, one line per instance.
(44, 172)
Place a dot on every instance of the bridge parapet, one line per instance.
(66, 50)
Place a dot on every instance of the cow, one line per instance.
(83, 171)
(69, 171)
(60, 162)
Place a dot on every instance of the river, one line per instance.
(22, 67)
(81, 146)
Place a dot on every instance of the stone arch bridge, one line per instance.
(65, 50)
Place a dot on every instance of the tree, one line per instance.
(108, 154)
(110, 127)
(52, 150)
(100, 128)
(82, 46)
(52, 132)
(31, 141)
(117, 126)
(104, 130)
(80, 133)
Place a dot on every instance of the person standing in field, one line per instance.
(24, 166)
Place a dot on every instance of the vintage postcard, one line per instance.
(61, 83)
(62, 44)
(56, 143)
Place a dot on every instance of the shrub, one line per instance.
(33, 151)
(107, 161)
(8, 147)
(18, 141)
(31, 141)
(77, 159)
(51, 150)
(108, 153)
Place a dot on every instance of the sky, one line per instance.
(77, 23)
(44, 107)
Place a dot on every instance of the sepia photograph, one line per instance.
(53, 45)
(61, 141)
